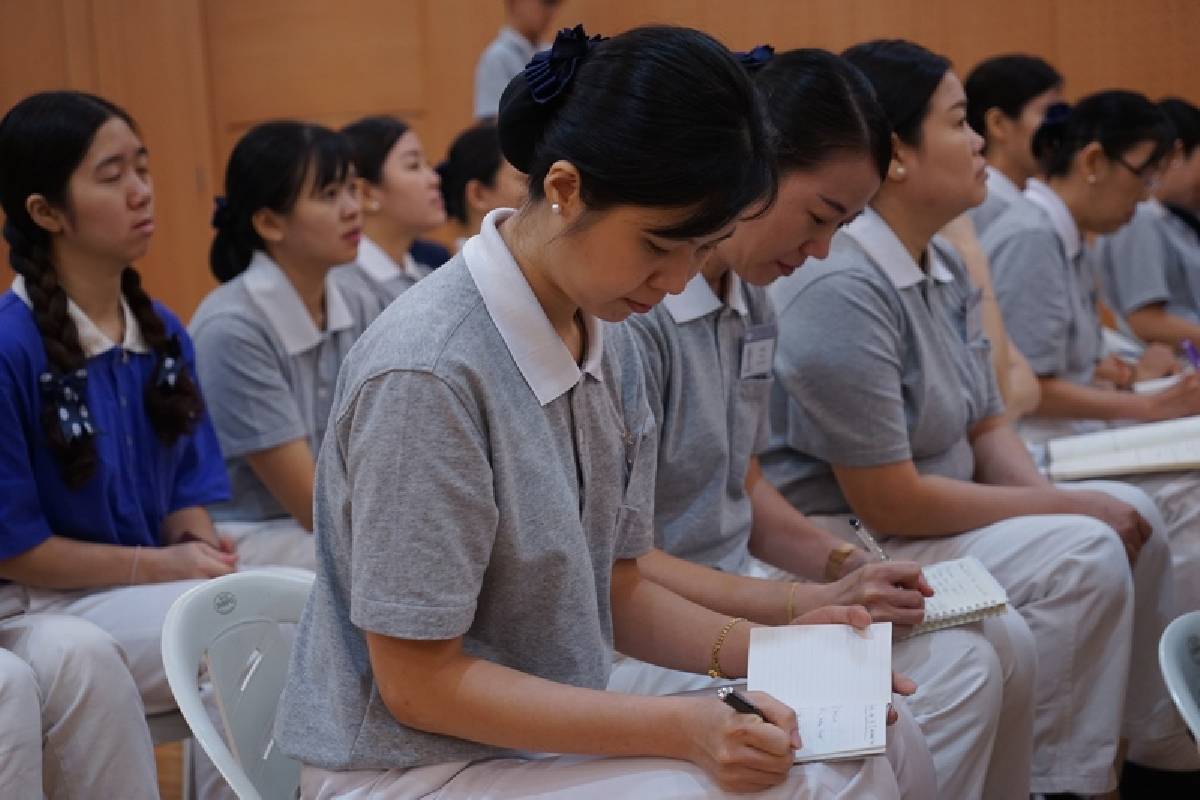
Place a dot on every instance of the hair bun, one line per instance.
(1049, 134)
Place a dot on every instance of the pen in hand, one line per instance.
(867, 539)
(734, 699)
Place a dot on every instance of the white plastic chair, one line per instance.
(230, 626)
(1179, 658)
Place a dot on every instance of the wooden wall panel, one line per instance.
(198, 73)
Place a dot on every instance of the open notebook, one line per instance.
(963, 591)
(1150, 447)
(838, 681)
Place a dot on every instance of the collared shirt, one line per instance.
(1001, 193)
(269, 372)
(1046, 286)
(376, 277)
(506, 56)
(1153, 259)
(477, 482)
(139, 480)
(711, 419)
(878, 362)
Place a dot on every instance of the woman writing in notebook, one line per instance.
(886, 407)
(487, 490)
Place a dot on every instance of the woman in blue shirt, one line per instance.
(107, 458)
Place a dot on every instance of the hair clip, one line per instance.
(65, 392)
(170, 366)
(551, 71)
(756, 58)
(220, 215)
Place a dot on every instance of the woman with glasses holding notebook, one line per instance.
(886, 408)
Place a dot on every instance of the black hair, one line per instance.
(371, 139)
(819, 103)
(474, 156)
(269, 167)
(1006, 82)
(43, 140)
(658, 116)
(905, 75)
(1185, 118)
(1118, 120)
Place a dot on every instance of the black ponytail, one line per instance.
(1116, 119)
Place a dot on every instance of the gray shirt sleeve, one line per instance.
(249, 399)
(1138, 256)
(846, 389)
(1032, 290)
(492, 74)
(423, 512)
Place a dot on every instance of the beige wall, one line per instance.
(197, 73)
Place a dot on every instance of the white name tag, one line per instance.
(758, 351)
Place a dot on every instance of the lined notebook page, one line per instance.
(964, 591)
(838, 681)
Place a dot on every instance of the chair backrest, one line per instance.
(1179, 658)
(232, 627)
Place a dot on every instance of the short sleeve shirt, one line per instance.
(1153, 259)
(878, 362)
(506, 56)
(268, 372)
(139, 480)
(711, 415)
(476, 482)
(1046, 286)
(376, 277)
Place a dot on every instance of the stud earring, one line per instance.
(1091, 179)
(899, 171)
(556, 208)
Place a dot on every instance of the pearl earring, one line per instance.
(1091, 178)
(556, 208)
(899, 171)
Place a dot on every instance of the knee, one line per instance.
(74, 649)
(1016, 651)
(17, 680)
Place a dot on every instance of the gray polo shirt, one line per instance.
(711, 414)
(476, 483)
(1001, 193)
(268, 372)
(376, 277)
(506, 56)
(878, 363)
(1045, 285)
(1153, 259)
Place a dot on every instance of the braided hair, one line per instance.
(43, 140)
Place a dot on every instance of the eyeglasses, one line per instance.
(1147, 173)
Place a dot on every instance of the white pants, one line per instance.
(71, 721)
(274, 543)
(589, 778)
(975, 687)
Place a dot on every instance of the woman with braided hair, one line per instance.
(108, 457)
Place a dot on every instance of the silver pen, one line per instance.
(867, 539)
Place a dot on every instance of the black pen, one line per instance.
(732, 698)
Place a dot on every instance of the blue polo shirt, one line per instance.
(138, 479)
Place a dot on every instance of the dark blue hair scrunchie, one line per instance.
(170, 366)
(1057, 114)
(64, 392)
(220, 215)
(756, 58)
(550, 72)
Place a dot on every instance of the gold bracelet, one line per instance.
(791, 603)
(714, 667)
(837, 557)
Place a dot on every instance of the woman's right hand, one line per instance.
(186, 561)
(740, 751)
(891, 591)
(1180, 400)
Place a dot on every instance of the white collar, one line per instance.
(698, 299)
(1155, 206)
(1001, 185)
(537, 349)
(279, 302)
(880, 242)
(1060, 215)
(91, 339)
(380, 267)
(523, 45)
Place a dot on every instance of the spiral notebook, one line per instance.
(1133, 450)
(837, 680)
(964, 591)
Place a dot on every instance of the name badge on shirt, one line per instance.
(758, 351)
